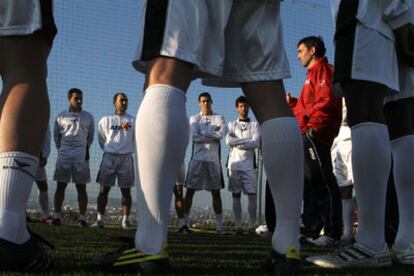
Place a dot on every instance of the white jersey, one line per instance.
(116, 134)
(46, 144)
(20, 17)
(73, 134)
(383, 16)
(243, 138)
(206, 132)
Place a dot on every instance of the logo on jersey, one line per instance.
(322, 83)
(126, 126)
(307, 81)
(20, 166)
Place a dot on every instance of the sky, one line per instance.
(94, 48)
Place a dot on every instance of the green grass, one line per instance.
(200, 253)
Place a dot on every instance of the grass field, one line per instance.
(200, 253)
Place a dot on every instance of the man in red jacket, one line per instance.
(318, 112)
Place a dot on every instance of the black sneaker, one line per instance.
(282, 264)
(129, 259)
(57, 221)
(27, 257)
(82, 223)
(184, 230)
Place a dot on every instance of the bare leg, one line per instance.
(82, 198)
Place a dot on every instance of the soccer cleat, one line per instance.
(184, 230)
(129, 259)
(282, 264)
(125, 225)
(57, 221)
(323, 241)
(82, 223)
(27, 257)
(355, 255)
(405, 256)
(98, 224)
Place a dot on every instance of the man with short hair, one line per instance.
(243, 137)
(117, 140)
(73, 135)
(319, 113)
(204, 169)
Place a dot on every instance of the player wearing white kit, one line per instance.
(243, 137)
(73, 134)
(341, 155)
(117, 140)
(369, 34)
(204, 171)
(41, 180)
(235, 43)
(27, 30)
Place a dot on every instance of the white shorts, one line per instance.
(40, 174)
(76, 172)
(369, 57)
(228, 41)
(342, 163)
(116, 166)
(245, 181)
(406, 79)
(203, 175)
(181, 176)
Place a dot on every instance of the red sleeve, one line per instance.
(327, 108)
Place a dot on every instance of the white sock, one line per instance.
(43, 198)
(219, 222)
(237, 211)
(82, 217)
(252, 207)
(16, 180)
(403, 157)
(161, 139)
(100, 217)
(124, 218)
(282, 149)
(348, 217)
(371, 164)
(58, 215)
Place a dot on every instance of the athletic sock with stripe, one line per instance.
(17, 171)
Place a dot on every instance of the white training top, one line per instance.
(46, 144)
(384, 16)
(116, 134)
(73, 134)
(206, 132)
(243, 138)
(19, 17)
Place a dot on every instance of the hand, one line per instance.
(404, 37)
(42, 161)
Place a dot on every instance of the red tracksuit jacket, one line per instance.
(317, 106)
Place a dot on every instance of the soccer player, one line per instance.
(182, 226)
(116, 138)
(235, 43)
(341, 155)
(27, 30)
(369, 34)
(204, 170)
(73, 134)
(318, 112)
(243, 137)
(41, 180)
